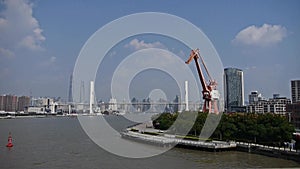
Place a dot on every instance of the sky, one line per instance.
(40, 41)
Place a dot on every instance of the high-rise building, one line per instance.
(2, 103)
(234, 89)
(9, 103)
(23, 102)
(176, 102)
(295, 91)
(293, 113)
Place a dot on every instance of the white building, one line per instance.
(254, 96)
(113, 104)
(37, 110)
(275, 105)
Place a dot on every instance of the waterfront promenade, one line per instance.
(146, 133)
(171, 140)
(272, 151)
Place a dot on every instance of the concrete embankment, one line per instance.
(171, 140)
(163, 139)
(277, 152)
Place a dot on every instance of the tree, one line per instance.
(267, 129)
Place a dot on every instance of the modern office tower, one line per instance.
(295, 91)
(234, 89)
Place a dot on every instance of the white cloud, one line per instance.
(18, 27)
(250, 68)
(265, 35)
(6, 53)
(137, 45)
(49, 62)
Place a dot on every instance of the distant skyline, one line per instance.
(40, 41)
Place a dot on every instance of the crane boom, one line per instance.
(205, 67)
(195, 55)
(209, 92)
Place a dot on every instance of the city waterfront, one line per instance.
(149, 84)
(60, 142)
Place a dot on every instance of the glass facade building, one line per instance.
(233, 89)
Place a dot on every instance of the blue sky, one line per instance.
(41, 39)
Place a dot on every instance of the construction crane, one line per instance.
(209, 90)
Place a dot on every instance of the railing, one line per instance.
(265, 146)
(174, 141)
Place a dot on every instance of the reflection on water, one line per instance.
(59, 142)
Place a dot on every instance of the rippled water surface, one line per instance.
(60, 142)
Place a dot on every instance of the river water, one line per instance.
(60, 142)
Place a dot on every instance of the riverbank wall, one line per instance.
(137, 133)
(171, 140)
(277, 152)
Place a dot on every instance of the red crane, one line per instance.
(209, 91)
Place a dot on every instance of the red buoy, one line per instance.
(9, 144)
